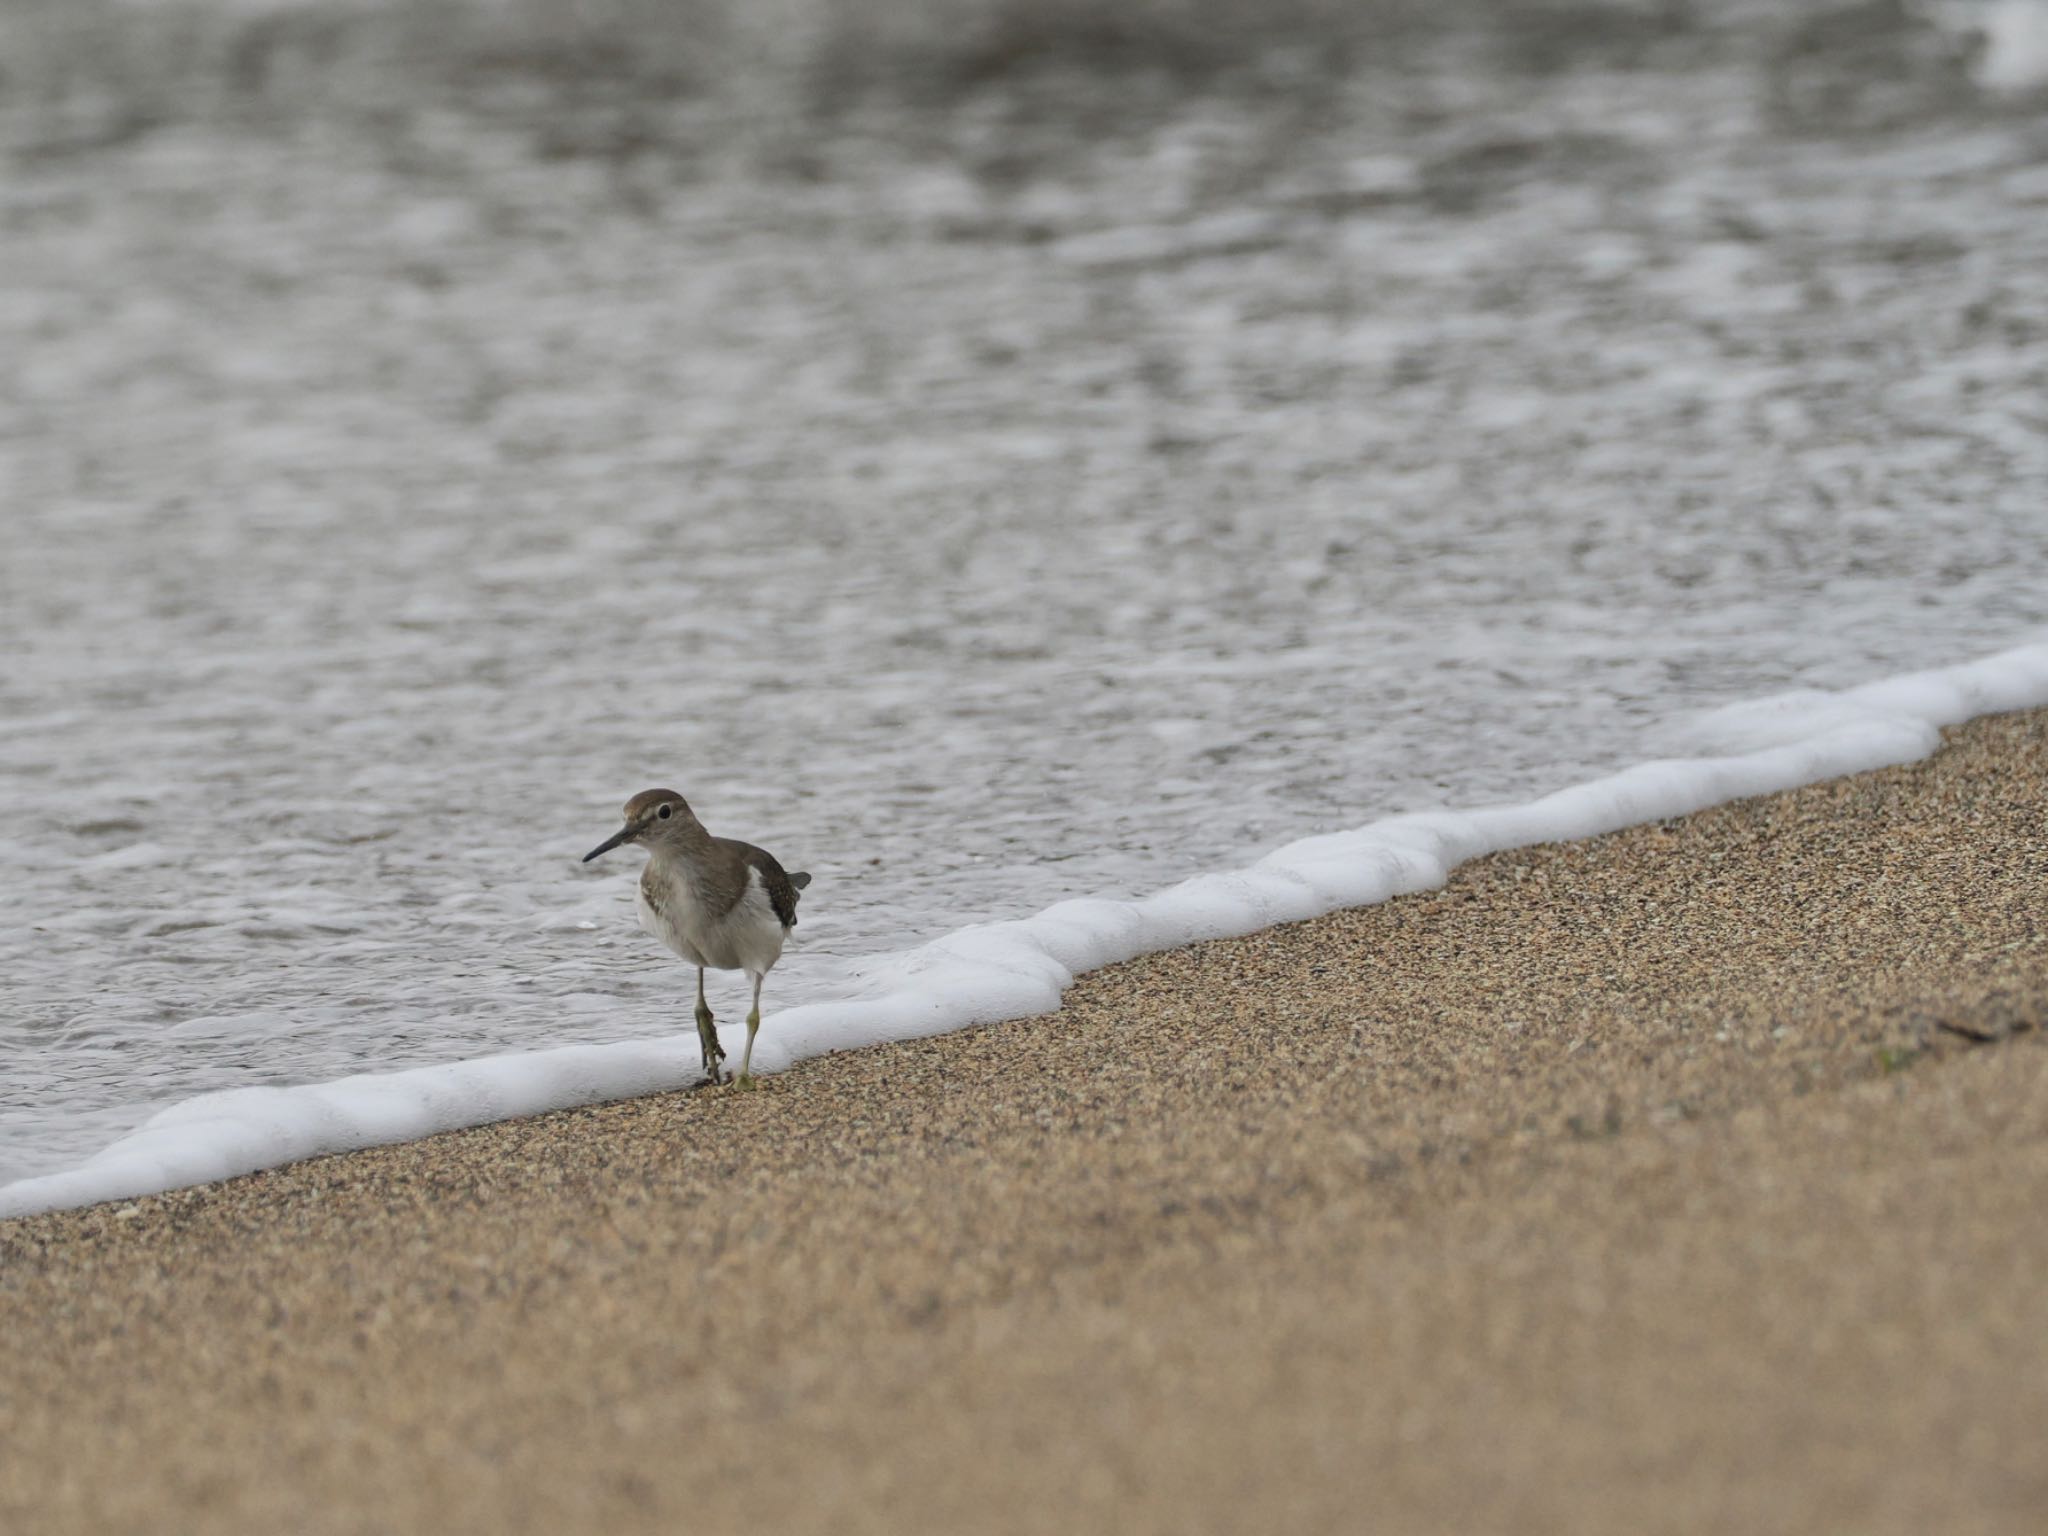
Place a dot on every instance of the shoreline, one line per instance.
(1686, 1176)
(1010, 970)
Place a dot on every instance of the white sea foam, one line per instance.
(1007, 970)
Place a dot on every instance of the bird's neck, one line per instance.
(684, 838)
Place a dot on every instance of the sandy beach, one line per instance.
(1684, 1179)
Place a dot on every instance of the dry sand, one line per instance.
(1686, 1179)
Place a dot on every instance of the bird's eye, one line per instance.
(663, 812)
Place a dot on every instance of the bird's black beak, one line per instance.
(609, 843)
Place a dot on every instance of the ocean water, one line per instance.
(382, 512)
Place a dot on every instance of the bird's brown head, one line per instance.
(649, 815)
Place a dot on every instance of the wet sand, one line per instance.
(1689, 1178)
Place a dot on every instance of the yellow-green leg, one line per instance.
(753, 1028)
(707, 1035)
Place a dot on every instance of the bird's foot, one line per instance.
(713, 1077)
(745, 1082)
(714, 1061)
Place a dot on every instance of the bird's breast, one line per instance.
(670, 911)
(721, 929)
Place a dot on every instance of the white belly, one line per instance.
(748, 937)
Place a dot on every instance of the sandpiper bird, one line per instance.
(714, 901)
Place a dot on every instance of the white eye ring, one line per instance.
(663, 812)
